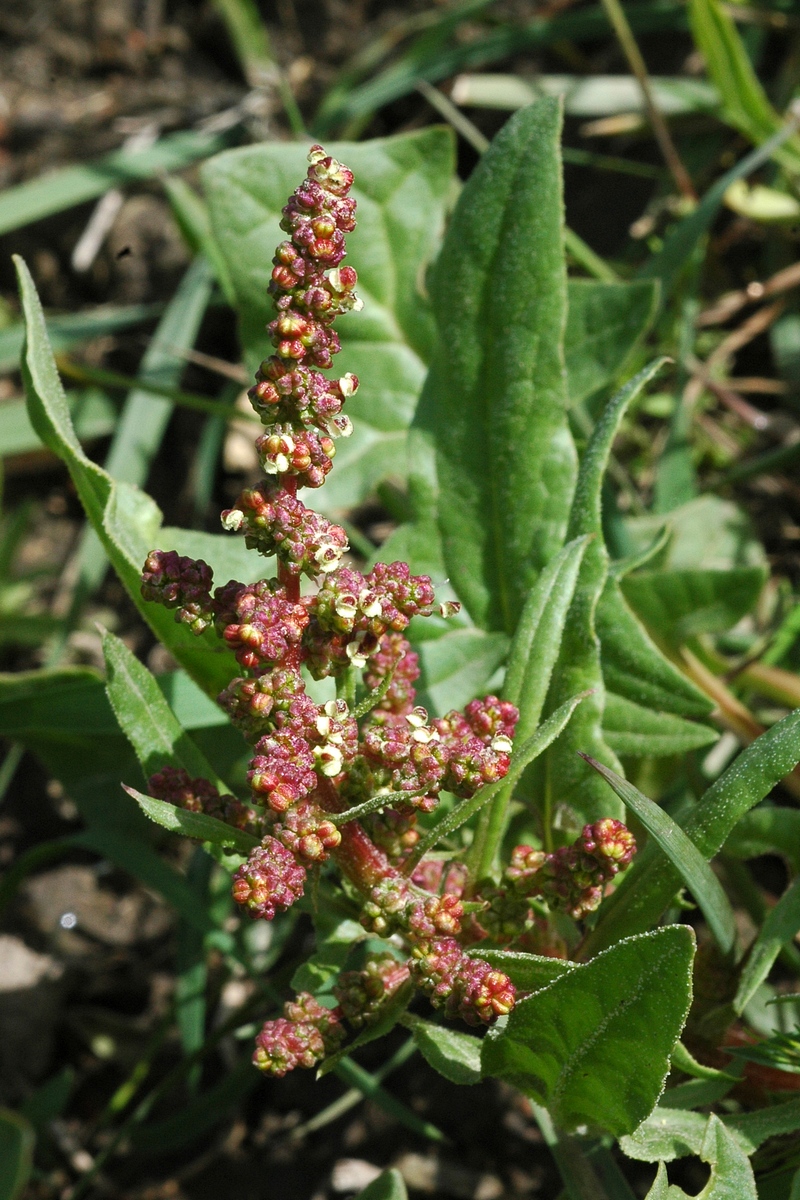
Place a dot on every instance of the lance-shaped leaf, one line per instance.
(744, 102)
(454, 1054)
(679, 605)
(126, 520)
(194, 825)
(578, 667)
(594, 1046)
(652, 881)
(605, 323)
(495, 398)
(146, 718)
(634, 731)
(781, 925)
(682, 853)
(402, 186)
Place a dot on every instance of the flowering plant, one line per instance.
(323, 786)
(474, 862)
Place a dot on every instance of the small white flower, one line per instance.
(501, 744)
(233, 520)
(348, 384)
(417, 717)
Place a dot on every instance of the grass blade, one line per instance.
(69, 186)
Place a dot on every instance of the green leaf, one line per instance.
(126, 520)
(145, 717)
(635, 668)
(388, 1186)
(495, 398)
(533, 655)
(744, 102)
(57, 190)
(683, 854)
(536, 643)
(528, 972)
(578, 667)
(631, 730)
(731, 1174)
(706, 532)
(455, 1055)
(666, 1134)
(194, 825)
(457, 666)
(194, 222)
(17, 1140)
(679, 605)
(782, 923)
(605, 323)
(767, 830)
(652, 881)
(594, 1046)
(670, 1133)
(402, 188)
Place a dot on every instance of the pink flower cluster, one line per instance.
(573, 877)
(313, 762)
(305, 1034)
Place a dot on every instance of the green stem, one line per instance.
(370, 806)
(580, 1180)
(619, 23)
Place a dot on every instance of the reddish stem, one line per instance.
(357, 855)
(289, 582)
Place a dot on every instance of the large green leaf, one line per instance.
(457, 666)
(635, 668)
(669, 1133)
(594, 1046)
(194, 825)
(605, 322)
(495, 398)
(402, 187)
(634, 731)
(652, 881)
(679, 605)
(528, 972)
(126, 520)
(388, 1186)
(454, 1054)
(768, 829)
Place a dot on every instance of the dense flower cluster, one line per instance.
(313, 762)
(302, 1037)
(573, 877)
